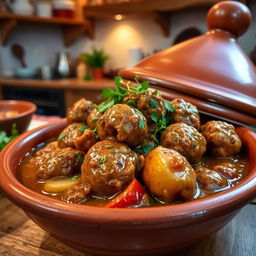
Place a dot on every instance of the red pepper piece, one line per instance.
(132, 195)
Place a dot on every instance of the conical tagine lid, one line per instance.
(211, 67)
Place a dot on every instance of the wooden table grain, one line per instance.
(20, 236)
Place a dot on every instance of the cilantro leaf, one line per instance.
(154, 117)
(75, 178)
(141, 124)
(83, 128)
(130, 102)
(102, 160)
(153, 103)
(168, 106)
(61, 136)
(105, 105)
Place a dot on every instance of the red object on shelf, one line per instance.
(63, 13)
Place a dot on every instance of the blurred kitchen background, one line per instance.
(49, 49)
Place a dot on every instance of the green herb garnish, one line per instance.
(161, 124)
(61, 136)
(130, 103)
(83, 128)
(102, 160)
(144, 149)
(153, 103)
(108, 147)
(75, 178)
(141, 124)
(168, 106)
(4, 139)
(121, 90)
(79, 157)
(155, 92)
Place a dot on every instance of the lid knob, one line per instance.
(231, 16)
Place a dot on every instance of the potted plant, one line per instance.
(96, 61)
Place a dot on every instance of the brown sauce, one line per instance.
(27, 175)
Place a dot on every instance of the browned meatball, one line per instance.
(148, 103)
(69, 134)
(80, 110)
(58, 162)
(108, 167)
(86, 140)
(92, 118)
(210, 179)
(222, 139)
(186, 113)
(125, 123)
(76, 194)
(186, 140)
(168, 175)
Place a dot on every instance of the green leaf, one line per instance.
(153, 103)
(102, 160)
(61, 136)
(106, 93)
(83, 128)
(155, 92)
(141, 124)
(131, 103)
(105, 105)
(118, 80)
(147, 148)
(168, 106)
(75, 178)
(154, 117)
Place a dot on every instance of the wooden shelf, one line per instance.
(160, 9)
(72, 28)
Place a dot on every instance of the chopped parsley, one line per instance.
(121, 90)
(168, 106)
(144, 149)
(141, 124)
(102, 160)
(61, 136)
(131, 103)
(108, 147)
(75, 178)
(83, 128)
(79, 157)
(161, 124)
(153, 103)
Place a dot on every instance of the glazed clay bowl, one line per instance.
(142, 231)
(24, 110)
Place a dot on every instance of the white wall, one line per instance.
(116, 37)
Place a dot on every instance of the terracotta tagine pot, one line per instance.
(211, 71)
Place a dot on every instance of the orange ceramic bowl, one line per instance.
(24, 110)
(143, 231)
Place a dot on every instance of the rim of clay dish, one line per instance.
(31, 108)
(198, 210)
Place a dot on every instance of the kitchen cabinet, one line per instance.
(72, 28)
(53, 97)
(159, 10)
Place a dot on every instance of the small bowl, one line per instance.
(26, 72)
(106, 231)
(25, 111)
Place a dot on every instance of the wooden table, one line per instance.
(20, 236)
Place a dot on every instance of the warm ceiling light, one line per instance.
(119, 17)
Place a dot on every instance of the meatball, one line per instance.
(69, 134)
(148, 103)
(108, 167)
(92, 118)
(210, 179)
(186, 113)
(124, 123)
(76, 194)
(80, 110)
(186, 140)
(222, 139)
(58, 162)
(168, 175)
(85, 141)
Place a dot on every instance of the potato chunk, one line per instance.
(168, 175)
